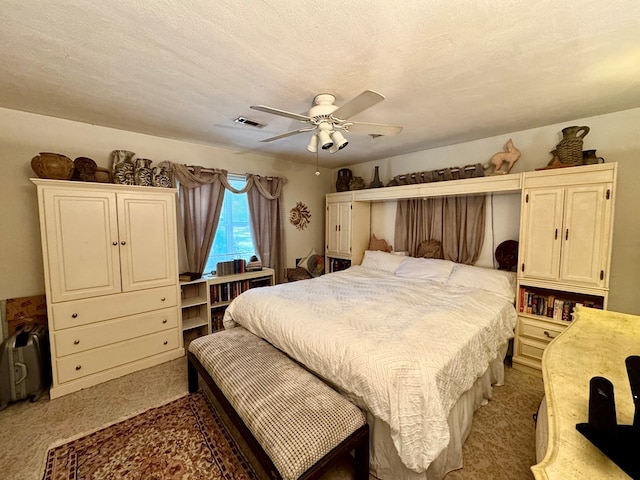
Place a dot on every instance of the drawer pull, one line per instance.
(165, 342)
(78, 367)
(76, 342)
(123, 242)
(164, 321)
(162, 299)
(115, 244)
(548, 335)
(74, 315)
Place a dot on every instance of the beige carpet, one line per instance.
(501, 444)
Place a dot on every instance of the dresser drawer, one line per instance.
(91, 310)
(533, 349)
(87, 363)
(540, 330)
(79, 339)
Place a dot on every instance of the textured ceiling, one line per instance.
(451, 71)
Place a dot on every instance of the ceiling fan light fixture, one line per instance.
(339, 140)
(324, 140)
(313, 144)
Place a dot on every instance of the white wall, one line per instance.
(616, 138)
(24, 135)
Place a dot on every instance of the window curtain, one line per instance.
(456, 222)
(265, 209)
(200, 212)
(201, 192)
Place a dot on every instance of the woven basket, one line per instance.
(569, 151)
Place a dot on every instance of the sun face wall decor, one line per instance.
(300, 216)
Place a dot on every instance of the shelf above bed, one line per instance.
(493, 184)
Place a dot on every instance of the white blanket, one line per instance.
(403, 349)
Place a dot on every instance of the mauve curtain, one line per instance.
(199, 207)
(265, 203)
(456, 222)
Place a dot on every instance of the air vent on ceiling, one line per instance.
(251, 123)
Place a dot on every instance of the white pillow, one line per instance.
(499, 282)
(379, 260)
(425, 269)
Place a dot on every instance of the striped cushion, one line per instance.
(296, 418)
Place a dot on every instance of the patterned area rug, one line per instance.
(183, 439)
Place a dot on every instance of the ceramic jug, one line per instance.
(376, 183)
(589, 157)
(160, 177)
(569, 150)
(122, 168)
(142, 174)
(344, 177)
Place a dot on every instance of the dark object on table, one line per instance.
(52, 165)
(84, 169)
(620, 443)
(507, 255)
(189, 276)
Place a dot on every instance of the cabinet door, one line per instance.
(540, 236)
(82, 243)
(344, 229)
(147, 227)
(583, 249)
(333, 219)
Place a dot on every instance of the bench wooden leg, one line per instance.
(192, 375)
(361, 458)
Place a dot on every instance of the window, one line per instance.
(233, 238)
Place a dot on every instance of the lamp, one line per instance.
(313, 144)
(324, 139)
(339, 142)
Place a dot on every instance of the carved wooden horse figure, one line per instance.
(498, 160)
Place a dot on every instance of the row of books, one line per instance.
(337, 264)
(230, 267)
(224, 292)
(548, 305)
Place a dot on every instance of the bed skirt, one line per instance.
(384, 461)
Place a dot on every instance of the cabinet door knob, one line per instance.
(115, 243)
(123, 242)
(162, 299)
(78, 367)
(548, 335)
(164, 321)
(74, 315)
(76, 342)
(165, 342)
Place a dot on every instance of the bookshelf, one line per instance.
(195, 305)
(223, 289)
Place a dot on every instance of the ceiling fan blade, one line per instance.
(288, 134)
(375, 128)
(366, 99)
(282, 113)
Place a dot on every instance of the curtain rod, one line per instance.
(211, 170)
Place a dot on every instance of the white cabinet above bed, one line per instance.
(347, 228)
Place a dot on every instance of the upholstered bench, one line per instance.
(295, 424)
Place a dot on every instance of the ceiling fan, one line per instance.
(330, 120)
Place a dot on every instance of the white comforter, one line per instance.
(403, 349)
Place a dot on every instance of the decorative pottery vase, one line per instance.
(569, 150)
(160, 177)
(142, 174)
(376, 183)
(52, 165)
(84, 169)
(103, 175)
(589, 157)
(356, 183)
(122, 168)
(344, 177)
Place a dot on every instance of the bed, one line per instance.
(416, 343)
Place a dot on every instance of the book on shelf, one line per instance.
(552, 305)
(231, 267)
